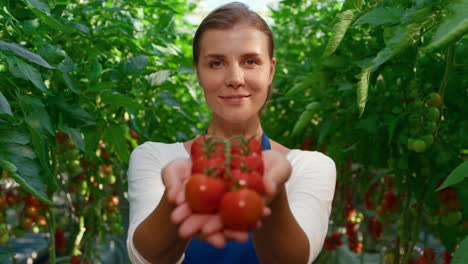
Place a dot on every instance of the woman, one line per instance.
(233, 57)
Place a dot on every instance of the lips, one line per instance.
(234, 96)
(235, 99)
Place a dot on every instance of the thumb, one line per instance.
(174, 175)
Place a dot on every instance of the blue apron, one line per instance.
(199, 252)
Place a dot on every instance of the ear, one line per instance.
(272, 69)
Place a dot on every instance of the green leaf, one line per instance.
(115, 136)
(136, 64)
(350, 4)
(120, 100)
(158, 78)
(339, 29)
(43, 7)
(457, 176)
(13, 136)
(37, 8)
(95, 69)
(299, 87)
(75, 135)
(362, 90)
(25, 53)
(25, 173)
(25, 71)
(461, 254)
(380, 16)
(453, 27)
(402, 38)
(4, 106)
(305, 117)
(36, 116)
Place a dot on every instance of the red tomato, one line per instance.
(209, 166)
(252, 180)
(245, 146)
(203, 193)
(241, 209)
(206, 146)
(31, 200)
(249, 162)
(75, 259)
(255, 146)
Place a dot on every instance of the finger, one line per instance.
(192, 225)
(180, 213)
(180, 198)
(213, 225)
(239, 236)
(176, 171)
(216, 239)
(266, 211)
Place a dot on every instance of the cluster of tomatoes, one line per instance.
(31, 211)
(333, 241)
(112, 216)
(389, 203)
(423, 123)
(353, 219)
(227, 178)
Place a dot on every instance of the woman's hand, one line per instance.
(277, 173)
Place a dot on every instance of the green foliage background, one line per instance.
(352, 80)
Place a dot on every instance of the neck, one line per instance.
(225, 129)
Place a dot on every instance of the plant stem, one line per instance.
(79, 236)
(443, 86)
(52, 235)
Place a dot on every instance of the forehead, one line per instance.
(239, 39)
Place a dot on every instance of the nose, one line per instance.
(235, 77)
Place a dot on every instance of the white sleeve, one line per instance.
(310, 194)
(145, 189)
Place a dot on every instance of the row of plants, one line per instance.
(81, 85)
(380, 86)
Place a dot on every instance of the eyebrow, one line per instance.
(221, 56)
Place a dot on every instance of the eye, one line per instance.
(216, 64)
(250, 62)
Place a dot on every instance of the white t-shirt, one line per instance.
(310, 190)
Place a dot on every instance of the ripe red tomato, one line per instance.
(209, 166)
(249, 162)
(241, 209)
(203, 193)
(31, 200)
(75, 259)
(245, 146)
(252, 180)
(206, 147)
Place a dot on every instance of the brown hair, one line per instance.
(226, 17)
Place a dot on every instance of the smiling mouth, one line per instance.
(234, 99)
(234, 96)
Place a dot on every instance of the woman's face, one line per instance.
(235, 70)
